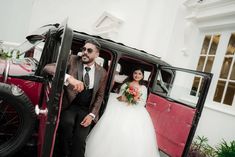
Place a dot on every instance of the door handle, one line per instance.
(39, 111)
(169, 108)
(151, 103)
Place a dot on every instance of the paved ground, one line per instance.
(30, 151)
(163, 155)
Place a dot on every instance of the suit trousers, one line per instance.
(72, 134)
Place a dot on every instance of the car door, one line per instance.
(55, 91)
(175, 104)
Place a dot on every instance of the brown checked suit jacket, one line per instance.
(75, 69)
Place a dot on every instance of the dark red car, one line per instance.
(30, 101)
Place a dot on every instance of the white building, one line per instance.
(193, 34)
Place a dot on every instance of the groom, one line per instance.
(83, 95)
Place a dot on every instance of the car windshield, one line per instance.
(32, 48)
(28, 49)
(27, 46)
(34, 43)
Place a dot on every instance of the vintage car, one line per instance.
(30, 101)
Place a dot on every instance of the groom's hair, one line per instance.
(94, 42)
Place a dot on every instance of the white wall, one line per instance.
(216, 126)
(147, 24)
(182, 49)
(15, 18)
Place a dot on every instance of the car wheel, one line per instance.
(17, 119)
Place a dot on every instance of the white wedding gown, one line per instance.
(123, 131)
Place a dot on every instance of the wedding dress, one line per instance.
(123, 130)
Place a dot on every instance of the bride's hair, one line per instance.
(130, 77)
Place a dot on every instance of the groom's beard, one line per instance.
(86, 59)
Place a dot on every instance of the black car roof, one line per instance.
(116, 46)
(111, 45)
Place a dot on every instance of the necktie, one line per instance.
(86, 77)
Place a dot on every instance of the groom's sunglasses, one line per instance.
(89, 50)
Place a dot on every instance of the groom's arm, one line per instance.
(77, 85)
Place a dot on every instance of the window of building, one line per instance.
(225, 88)
(206, 60)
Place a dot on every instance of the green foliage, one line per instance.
(225, 149)
(200, 148)
(5, 54)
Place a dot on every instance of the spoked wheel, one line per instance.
(17, 119)
(9, 122)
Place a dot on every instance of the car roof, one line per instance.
(121, 48)
(110, 45)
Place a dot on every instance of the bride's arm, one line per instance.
(120, 96)
(122, 89)
(143, 97)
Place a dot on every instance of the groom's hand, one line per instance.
(77, 84)
(87, 121)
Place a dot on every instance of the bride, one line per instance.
(125, 129)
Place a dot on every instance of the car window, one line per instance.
(124, 69)
(28, 49)
(163, 82)
(177, 89)
(146, 75)
(99, 61)
(38, 51)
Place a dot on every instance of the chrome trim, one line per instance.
(16, 91)
(39, 111)
(6, 71)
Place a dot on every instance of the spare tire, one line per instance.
(17, 119)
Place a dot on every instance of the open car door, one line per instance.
(55, 91)
(175, 104)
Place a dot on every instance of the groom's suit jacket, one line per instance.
(75, 69)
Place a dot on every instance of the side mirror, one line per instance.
(34, 38)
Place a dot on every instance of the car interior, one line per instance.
(124, 69)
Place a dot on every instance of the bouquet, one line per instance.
(132, 94)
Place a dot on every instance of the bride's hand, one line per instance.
(137, 98)
(122, 98)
